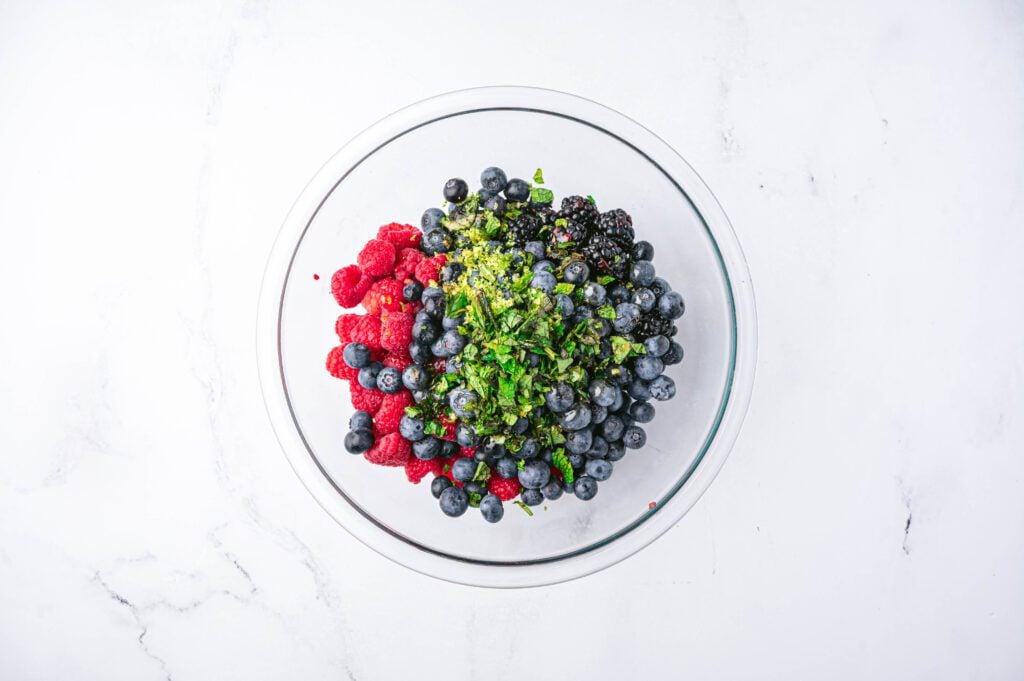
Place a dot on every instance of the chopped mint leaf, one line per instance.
(591, 199)
(434, 428)
(621, 348)
(412, 412)
(605, 279)
(541, 195)
(483, 472)
(521, 463)
(538, 176)
(474, 500)
(606, 311)
(523, 506)
(564, 287)
(561, 462)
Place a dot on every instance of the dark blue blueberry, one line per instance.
(598, 414)
(534, 474)
(461, 401)
(438, 485)
(452, 342)
(545, 455)
(466, 436)
(576, 417)
(451, 271)
(485, 194)
(564, 305)
(456, 190)
(601, 327)
(642, 412)
(432, 219)
(594, 293)
(454, 502)
(448, 323)
(645, 299)
(517, 190)
(660, 287)
(634, 438)
(520, 426)
(358, 441)
(532, 360)
(420, 352)
(411, 292)
(602, 393)
(657, 346)
(496, 204)
(448, 448)
(415, 377)
(627, 316)
(452, 365)
(420, 395)
(553, 490)
(543, 266)
(527, 450)
(475, 487)
(506, 467)
(579, 441)
(361, 420)
(671, 305)
(583, 313)
(585, 488)
(368, 375)
(535, 248)
(493, 179)
(604, 349)
(433, 301)
(599, 469)
(577, 461)
(411, 428)
(464, 469)
(576, 272)
(639, 390)
(598, 449)
(619, 375)
(618, 293)
(545, 281)
(491, 508)
(642, 273)
(643, 250)
(427, 448)
(356, 355)
(424, 331)
(436, 241)
(674, 354)
(389, 380)
(663, 388)
(648, 368)
(532, 497)
(560, 397)
(612, 428)
(616, 450)
(621, 401)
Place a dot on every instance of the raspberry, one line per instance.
(377, 257)
(385, 294)
(336, 365)
(439, 365)
(405, 264)
(398, 360)
(367, 332)
(343, 327)
(402, 236)
(390, 450)
(429, 269)
(363, 399)
(505, 489)
(391, 411)
(467, 451)
(449, 429)
(349, 285)
(396, 331)
(417, 469)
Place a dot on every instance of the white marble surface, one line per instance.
(870, 522)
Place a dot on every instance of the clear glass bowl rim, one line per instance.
(691, 485)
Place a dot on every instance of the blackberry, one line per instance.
(546, 214)
(618, 226)
(522, 228)
(606, 256)
(655, 325)
(572, 231)
(579, 209)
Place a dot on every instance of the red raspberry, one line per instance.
(396, 331)
(343, 327)
(392, 409)
(405, 265)
(390, 450)
(349, 285)
(402, 236)
(397, 360)
(377, 257)
(439, 365)
(385, 294)
(429, 270)
(367, 332)
(449, 428)
(417, 469)
(467, 451)
(505, 489)
(336, 365)
(364, 399)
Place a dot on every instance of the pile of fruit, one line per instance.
(509, 350)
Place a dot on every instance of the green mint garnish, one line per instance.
(483, 472)
(538, 176)
(591, 199)
(523, 506)
(605, 279)
(542, 195)
(606, 312)
(561, 462)
(564, 287)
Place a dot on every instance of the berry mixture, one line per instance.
(510, 351)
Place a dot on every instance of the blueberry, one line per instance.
(576, 272)
(427, 448)
(553, 490)
(579, 441)
(358, 441)
(448, 323)
(415, 377)
(612, 428)
(643, 250)
(491, 508)
(543, 266)
(527, 450)
(461, 401)
(619, 403)
(648, 368)
(617, 293)
(356, 355)
(645, 299)
(411, 292)
(368, 375)
(466, 436)
(491, 451)
(420, 395)
(576, 418)
(424, 331)
(601, 327)
(559, 398)
(627, 316)
(619, 375)
(604, 349)
(634, 438)
(616, 451)
(656, 346)
(454, 502)
(496, 204)
(535, 248)
(660, 287)
(642, 412)
(453, 342)
(532, 497)
(517, 190)
(671, 305)
(411, 428)
(583, 313)
(564, 305)
(599, 469)
(438, 485)
(420, 352)
(520, 426)
(602, 392)
(452, 365)
(494, 179)
(598, 449)
(433, 301)
(639, 390)
(545, 281)
(534, 475)
(567, 487)
(674, 354)
(585, 488)
(361, 420)
(451, 271)
(594, 293)
(598, 414)
(642, 273)
(506, 467)
(464, 469)
(545, 455)
(455, 190)
(432, 219)
(532, 360)
(448, 448)
(577, 461)
(663, 388)
(485, 194)
(436, 241)
(389, 380)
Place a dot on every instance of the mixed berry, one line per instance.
(509, 350)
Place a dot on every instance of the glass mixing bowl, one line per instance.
(390, 173)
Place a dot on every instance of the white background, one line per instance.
(871, 159)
